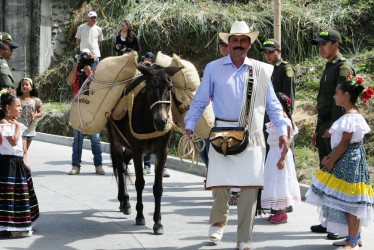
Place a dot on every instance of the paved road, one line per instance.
(81, 212)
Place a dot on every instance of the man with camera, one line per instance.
(76, 78)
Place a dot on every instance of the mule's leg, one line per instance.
(139, 185)
(117, 155)
(158, 228)
(123, 194)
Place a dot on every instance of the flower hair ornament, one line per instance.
(9, 90)
(288, 100)
(355, 80)
(367, 93)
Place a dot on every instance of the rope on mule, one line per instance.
(189, 148)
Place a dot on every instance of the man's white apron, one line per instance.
(247, 168)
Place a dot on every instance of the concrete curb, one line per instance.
(172, 162)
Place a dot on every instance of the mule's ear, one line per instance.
(172, 70)
(145, 70)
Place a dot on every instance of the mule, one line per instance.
(150, 114)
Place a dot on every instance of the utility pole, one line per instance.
(277, 20)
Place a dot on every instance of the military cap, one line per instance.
(221, 42)
(328, 35)
(271, 45)
(5, 37)
(3, 46)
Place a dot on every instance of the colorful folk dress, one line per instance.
(345, 189)
(281, 188)
(18, 203)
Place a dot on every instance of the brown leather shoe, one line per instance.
(100, 170)
(74, 171)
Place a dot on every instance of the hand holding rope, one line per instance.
(189, 147)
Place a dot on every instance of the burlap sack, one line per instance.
(163, 60)
(188, 79)
(120, 109)
(89, 110)
(203, 125)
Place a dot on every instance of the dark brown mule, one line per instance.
(149, 114)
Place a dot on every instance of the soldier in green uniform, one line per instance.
(6, 49)
(336, 71)
(283, 77)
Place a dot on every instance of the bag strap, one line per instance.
(247, 94)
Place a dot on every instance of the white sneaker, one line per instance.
(166, 173)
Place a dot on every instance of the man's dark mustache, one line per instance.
(238, 47)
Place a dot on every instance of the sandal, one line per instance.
(351, 239)
(216, 233)
(344, 242)
(244, 246)
(20, 234)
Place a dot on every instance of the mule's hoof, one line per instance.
(140, 221)
(158, 230)
(125, 210)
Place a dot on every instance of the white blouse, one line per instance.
(7, 149)
(348, 123)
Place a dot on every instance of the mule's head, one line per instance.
(158, 86)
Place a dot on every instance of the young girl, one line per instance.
(342, 187)
(281, 185)
(18, 203)
(31, 110)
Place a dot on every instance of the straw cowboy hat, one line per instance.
(239, 28)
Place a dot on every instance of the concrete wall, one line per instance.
(39, 27)
(15, 19)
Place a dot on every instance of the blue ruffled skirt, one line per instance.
(345, 189)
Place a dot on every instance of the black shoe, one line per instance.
(318, 229)
(333, 236)
(289, 209)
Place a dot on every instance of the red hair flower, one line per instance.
(360, 80)
(367, 94)
(355, 80)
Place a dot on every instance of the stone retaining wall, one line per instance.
(39, 26)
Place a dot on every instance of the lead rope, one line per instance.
(189, 147)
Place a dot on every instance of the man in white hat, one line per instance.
(89, 36)
(225, 81)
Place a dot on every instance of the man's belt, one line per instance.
(219, 119)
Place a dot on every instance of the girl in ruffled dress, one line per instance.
(342, 187)
(281, 186)
(18, 203)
